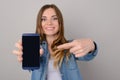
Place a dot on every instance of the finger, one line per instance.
(20, 58)
(81, 54)
(18, 53)
(20, 41)
(78, 51)
(41, 51)
(19, 46)
(76, 48)
(82, 50)
(65, 46)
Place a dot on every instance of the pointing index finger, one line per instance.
(65, 46)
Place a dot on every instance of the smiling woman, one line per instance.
(49, 22)
(58, 55)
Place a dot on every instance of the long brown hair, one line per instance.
(58, 55)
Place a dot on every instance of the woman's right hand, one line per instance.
(19, 52)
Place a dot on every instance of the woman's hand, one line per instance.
(79, 47)
(19, 52)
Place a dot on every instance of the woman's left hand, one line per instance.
(79, 47)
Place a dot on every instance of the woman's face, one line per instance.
(49, 22)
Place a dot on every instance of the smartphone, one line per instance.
(31, 46)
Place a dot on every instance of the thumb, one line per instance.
(41, 51)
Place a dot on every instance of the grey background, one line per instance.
(96, 19)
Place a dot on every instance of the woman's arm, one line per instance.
(83, 49)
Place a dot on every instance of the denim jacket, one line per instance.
(68, 71)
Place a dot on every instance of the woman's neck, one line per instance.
(50, 40)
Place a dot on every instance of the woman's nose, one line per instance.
(49, 21)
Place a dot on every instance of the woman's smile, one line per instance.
(50, 28)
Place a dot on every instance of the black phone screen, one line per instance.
(31, 46)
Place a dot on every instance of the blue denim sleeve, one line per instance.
(90, 55)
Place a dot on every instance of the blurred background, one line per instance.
(95, 19)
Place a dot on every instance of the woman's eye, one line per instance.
(55, 18)
(43, 19)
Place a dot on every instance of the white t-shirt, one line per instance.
(53, 73)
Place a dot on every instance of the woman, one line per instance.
(57, 55)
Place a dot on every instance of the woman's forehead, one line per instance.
(49, 11)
